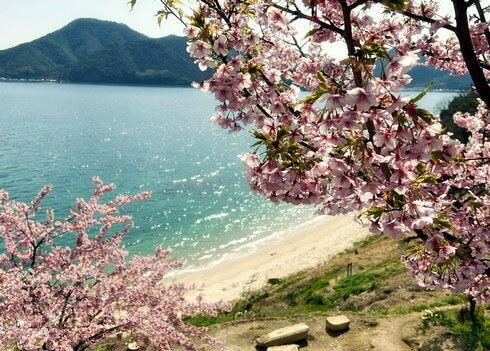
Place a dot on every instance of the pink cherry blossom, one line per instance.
(335, 100)
(360, 98)
(191, 31)
(350, 141)
(199, 49)
(57, 297)
(220, 46)
(400, 65)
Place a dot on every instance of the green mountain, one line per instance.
(422, 76)
(51, 55)
(149, 61)
(91, 50)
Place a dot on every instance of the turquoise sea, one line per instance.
(158, 139)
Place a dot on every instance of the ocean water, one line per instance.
(143, 138)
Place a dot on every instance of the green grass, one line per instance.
(474, 334)
(309, 292)
(365, 243)
(240, 310)
(344, 287)
(274, 281)
(445, 301)
(356, 284)
(327, 288)
(258, 327)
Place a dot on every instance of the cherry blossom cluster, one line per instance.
(57, 297)
(338, 132)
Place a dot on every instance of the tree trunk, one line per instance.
(472, 309)
(468, 51)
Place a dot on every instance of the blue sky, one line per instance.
(26, 20)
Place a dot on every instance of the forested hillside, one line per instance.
(90, 50)
(94, 51)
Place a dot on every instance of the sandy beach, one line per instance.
(300, 248)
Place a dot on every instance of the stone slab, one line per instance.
(291, 347)
(338, 323)
(284, 335)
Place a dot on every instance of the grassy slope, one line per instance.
(384, 305)
(378, 285)
(379, 291)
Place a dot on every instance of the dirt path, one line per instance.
(383, 334)
(389, 333)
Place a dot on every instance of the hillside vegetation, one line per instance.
(90, 50)
(149, 61)
(388, 311)
(423, 76)
(51, 55)
(95, 51)
(462, 103)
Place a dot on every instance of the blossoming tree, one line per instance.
(352, 141)
(54, 297)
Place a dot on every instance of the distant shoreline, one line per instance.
(437, 90)
(54, 81)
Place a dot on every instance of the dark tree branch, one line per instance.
(420, 234)
(298, 46)
(172, 12)
(426, 19)
(349, 40)
(308, 146)
(82, 345)
(481, 14)
(300, 14)
(356, 4)
(468, 52)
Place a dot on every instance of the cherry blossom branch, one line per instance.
(357, 3)
(481, 14)
(215, 5)
(34, 252)
(298, 46)
(425, 19)
(349, 40)
(83, 344)
(59, 301)
(300, 14)
(372, 147)
(486, 159)
(171, 11)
